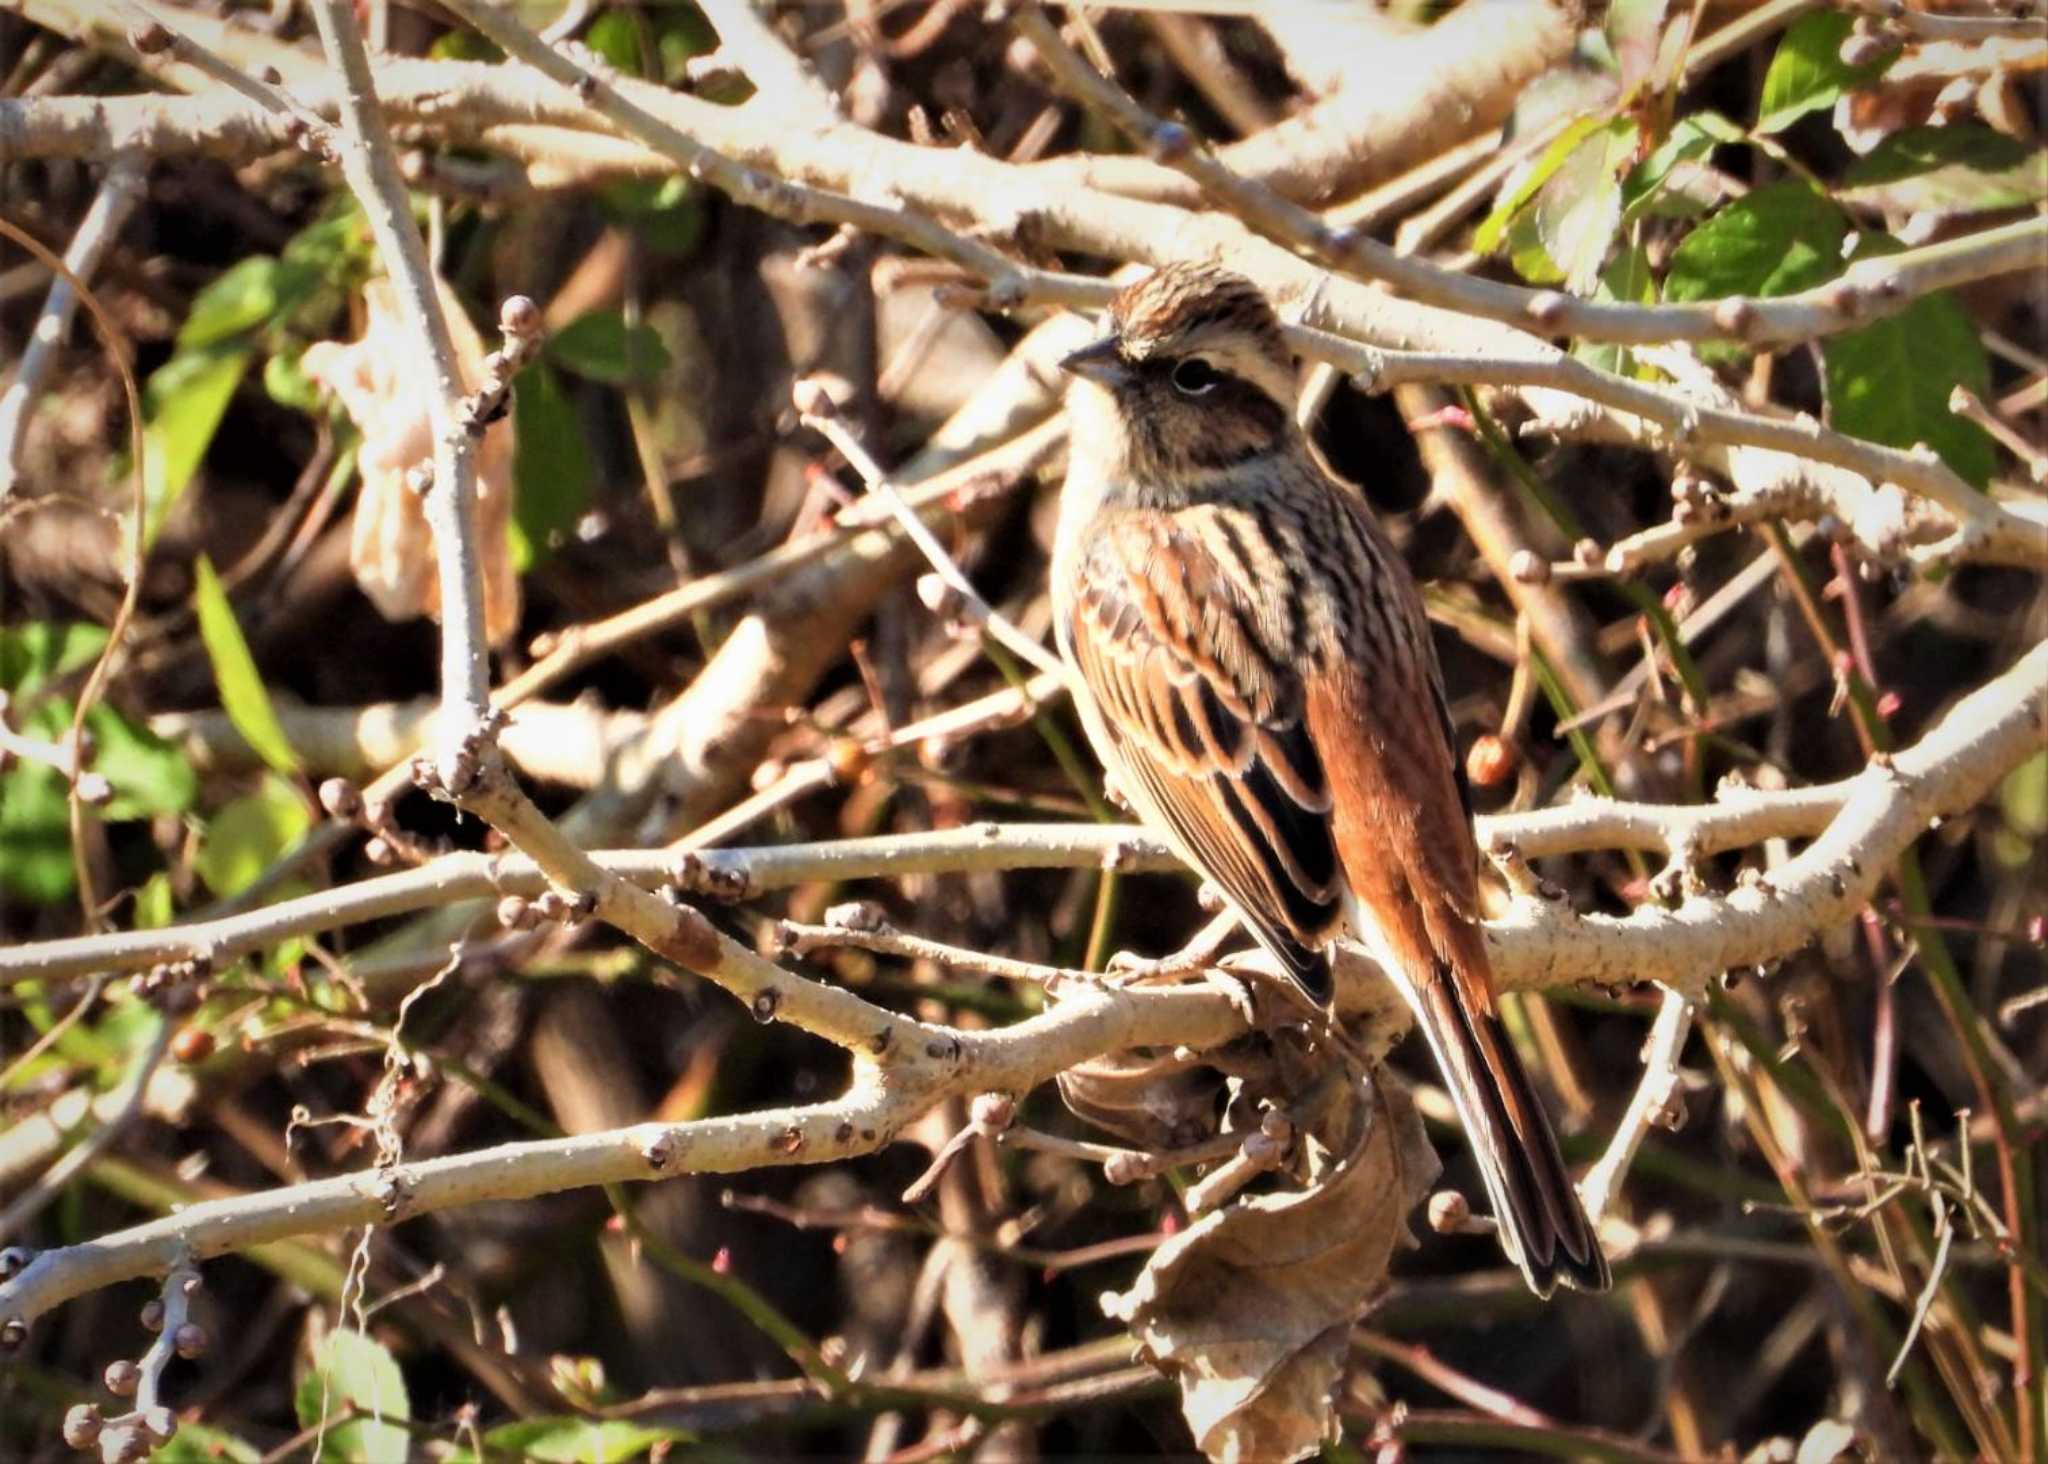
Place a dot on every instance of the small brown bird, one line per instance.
(1262, 687)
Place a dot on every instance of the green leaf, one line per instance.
(1493, 231)
(148, 777)
(1628, 280)
(562, 1440)
(183, 402)
(249, 834)
(663, 213)
(351, 1368)
(1778, 239)
(148, 774)
(681, 31)
(1916, 150)
(1807, 73)
(550, 466)
(242, 692)
(239, 300)
(615, 36)
(2024, 797)
(38, 650)
(1957, 191)
(1890, 382)
(336, 248)
(463, 44)
(35, 834)
(1526, 252)
(1578, 211)
(155, 903)
(1692, 139)
(289, 386)
(602, 346)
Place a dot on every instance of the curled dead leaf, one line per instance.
(1250, 1308)
(1151, 1100)
(384, 385)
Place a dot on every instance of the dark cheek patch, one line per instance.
(1225, 425)
(1235, 421)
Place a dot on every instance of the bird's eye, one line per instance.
(1195, 376)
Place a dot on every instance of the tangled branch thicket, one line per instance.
(404, 725)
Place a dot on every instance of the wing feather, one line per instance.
(1210, 731)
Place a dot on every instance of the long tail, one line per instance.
(1543, 1227)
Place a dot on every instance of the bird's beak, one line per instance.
(1099, 361)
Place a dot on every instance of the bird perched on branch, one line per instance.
(1261, 684)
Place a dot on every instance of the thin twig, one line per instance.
(1652, 1102)
(370, 164)
(877, 483)
(111, 207)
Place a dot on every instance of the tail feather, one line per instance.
(1543, 1227)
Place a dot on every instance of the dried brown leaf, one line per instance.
(1151, 1101)
(1249, 1309)
(385, 385)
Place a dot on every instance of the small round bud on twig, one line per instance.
(190, 1340)
(341, 798)
(1449, 1212)
(14, 1260)
(1547, 307)
(1864, 49)
(515, 912)
(1491, 761)
(192, 1044)
(1529, 568)
(1734, 315)
(518, 316)
(379, 852)
(153, 1314)
(152, 39)
(123, 1377)
(1587, 554)
(82, 1425)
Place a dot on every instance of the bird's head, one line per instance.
(1192, 378)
